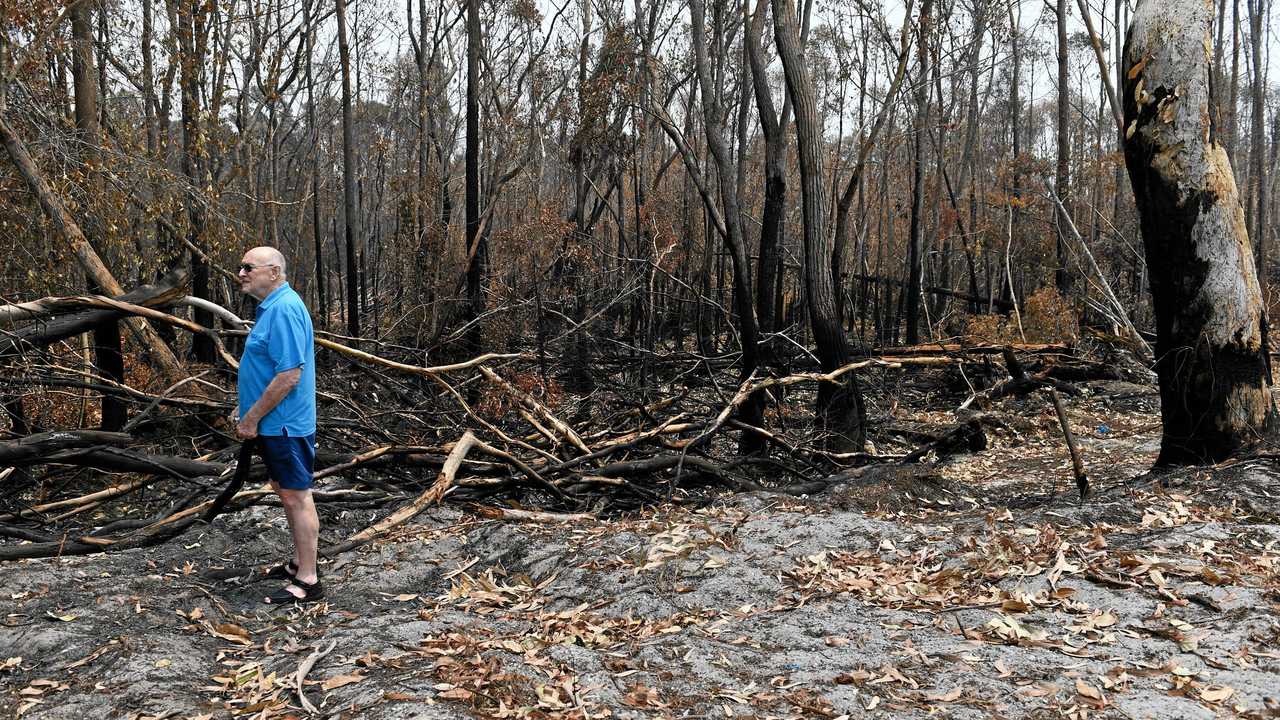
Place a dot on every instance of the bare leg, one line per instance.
(304, 525)
(287, 516)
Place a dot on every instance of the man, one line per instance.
(277, 410)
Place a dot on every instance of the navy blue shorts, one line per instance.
(289, 460)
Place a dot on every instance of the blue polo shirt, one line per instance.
(281, 339)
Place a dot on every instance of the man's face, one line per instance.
(257, 275)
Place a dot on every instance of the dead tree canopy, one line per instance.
(1210, 322)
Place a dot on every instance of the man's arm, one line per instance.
(276, 391)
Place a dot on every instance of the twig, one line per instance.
(304, 668)
(431, 495)
(501, 513)
(530, 403)
(1077, 465)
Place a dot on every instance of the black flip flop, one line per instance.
(285, 571)
(310, 593)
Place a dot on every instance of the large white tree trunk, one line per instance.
(1211, 341)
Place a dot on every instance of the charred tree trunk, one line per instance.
(322, 280)
(769, 268)
(1258, 143)
(1062, 185)
(915, 267)
(1210, 323)
(839, 407)
(477, 245)
(192, 35)
(713, 107)
(351, 201)
(106, 336)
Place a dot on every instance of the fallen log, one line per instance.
(512, 514)
(1020, 383)
(153, 534)
(960, 438)
(43, 334)
(962, 349)
(125, 460)
(34, 449)
(160, 294)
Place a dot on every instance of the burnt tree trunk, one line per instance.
(351, 201)
(773, 214)
(915, 268)
(1062, 183)
(1210, 323)
(192, 34)
(106, 336)
(751, 411)
(839, 406)
(322, 280)
(477, 242)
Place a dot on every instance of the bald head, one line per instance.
(265, 255)
(261, 271)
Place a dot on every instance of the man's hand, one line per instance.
(247, 429)
(280, 385)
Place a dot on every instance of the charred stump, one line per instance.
(1211, 327)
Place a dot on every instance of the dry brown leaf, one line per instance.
(642, 697)
(948, 697)
(857, 677)
(229, 631)
(1014, 606)
(1216, 695)
(1087, 690)
(338, 681)
(456, 693)
(1039, 690)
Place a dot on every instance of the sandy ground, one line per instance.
(969, 590)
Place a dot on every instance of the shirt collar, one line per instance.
(271, 299)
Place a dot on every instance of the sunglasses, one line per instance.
(250, 267)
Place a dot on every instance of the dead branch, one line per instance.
(33, 448)
(1077, 464)
(90, 315)
(305, 667)
(501, 513)
(1020, 383)
(415, 369)
(432, 495)
(531, 404)
(520, 465)
(110, 387)
(960, 349)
